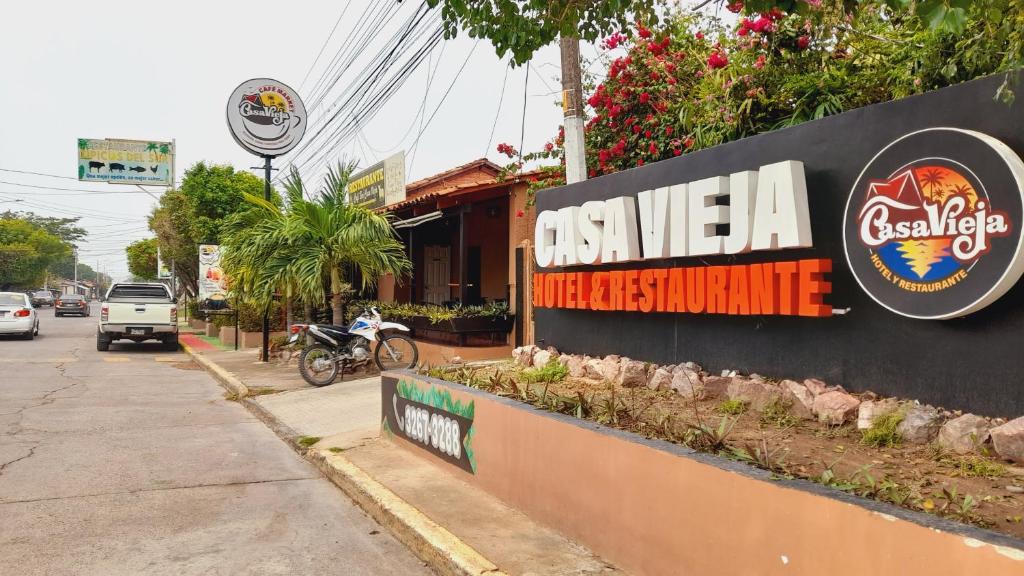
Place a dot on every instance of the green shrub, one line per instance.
(552, 372)
(882, 432)
(777, 413)
(734, 406)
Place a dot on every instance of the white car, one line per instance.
(17, 316)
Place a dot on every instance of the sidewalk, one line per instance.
(455, 527)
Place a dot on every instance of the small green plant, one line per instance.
(336, 449)
(705, 438)
(734, 406)
(761, 455)
(975, 467)
(553, 371)
(777, 413)
(883, 431)
(307, 441)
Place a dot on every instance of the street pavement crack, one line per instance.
(46, 399)
(167, 489)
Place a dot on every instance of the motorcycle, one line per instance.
(331, 350)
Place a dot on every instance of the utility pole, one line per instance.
(572, 109)
(97, 293)
(76, 270)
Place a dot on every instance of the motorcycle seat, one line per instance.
(342, 330)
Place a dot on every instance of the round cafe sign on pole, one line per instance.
(266, 117)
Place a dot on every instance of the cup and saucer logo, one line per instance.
(932, 226)
(266, 117)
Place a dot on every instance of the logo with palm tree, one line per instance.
(929, 237)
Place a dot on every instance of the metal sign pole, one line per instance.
(266, 312)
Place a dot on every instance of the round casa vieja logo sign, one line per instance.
(933, 225)
(266, 117)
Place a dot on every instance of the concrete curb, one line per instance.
(431, 542)
(444, 552)
(227, 379)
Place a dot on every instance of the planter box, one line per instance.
(197, 323)
(255, 339)
(652, 507)
(211, 329)
(227, 335)
(485, 331)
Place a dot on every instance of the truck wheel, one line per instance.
(102, 343)
(171, 344)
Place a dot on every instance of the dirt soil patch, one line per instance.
(975, 489)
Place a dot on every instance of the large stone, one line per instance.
(687, 383)
(835, 407)
(755, 393)
(660, 380)
(610, 367)
(1008, 440)
(871, 409)
(799, 393)
(964, 434)
(541, 358)
(592, 369)
(920, 424)
(632, 373)
(815, 386)
(524, 355)
(716, 386)
(575, 363)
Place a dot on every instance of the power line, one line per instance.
(38, 174)
(326, 42)
(444, 96)
(79, 190)
(522, 127)
(497, 113)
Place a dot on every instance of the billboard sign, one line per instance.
(212, 282)
(266, 117)
(126, 161)
(379, 185)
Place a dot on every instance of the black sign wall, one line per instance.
(965, 356)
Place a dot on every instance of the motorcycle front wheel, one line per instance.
(396, 352)
(317, 365)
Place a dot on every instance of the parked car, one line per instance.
(17, 316)
(71, 304)
(138, 312)
(42, 298)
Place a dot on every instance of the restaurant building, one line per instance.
(462, 229)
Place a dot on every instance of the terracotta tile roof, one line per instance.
(478, 175)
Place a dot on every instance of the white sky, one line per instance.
(161, 71)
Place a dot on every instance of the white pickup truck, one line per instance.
(138, 312)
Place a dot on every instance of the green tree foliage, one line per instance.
(307, 244)
(66, 229)
(521, 27)
(696, 81)
(26, 250)
(142, 258)
(196, 214)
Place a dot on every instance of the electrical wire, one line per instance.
(324, 46)
(444, 96)
(497, 113)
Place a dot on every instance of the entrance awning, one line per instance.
(417, 220)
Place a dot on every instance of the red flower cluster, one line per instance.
(764, 24)
(718, 59)
(507, 150)
(803, 41)
(735, 7)
(643, 32)
(612, 42)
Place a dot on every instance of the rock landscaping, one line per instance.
(965, 467)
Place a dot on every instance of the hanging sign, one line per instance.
(212, 282)
(380, 184)
(932, 228)
(266, 117)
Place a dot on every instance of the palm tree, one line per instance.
(309, 242)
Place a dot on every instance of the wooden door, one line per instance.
(437, 261)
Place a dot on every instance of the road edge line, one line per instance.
(443, 551)
(227, 379)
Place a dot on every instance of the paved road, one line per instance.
(131, 462)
